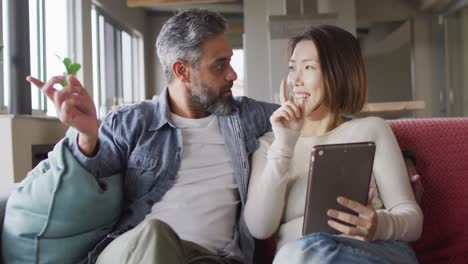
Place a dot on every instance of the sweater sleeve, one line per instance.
(401, 219)
(268, 182)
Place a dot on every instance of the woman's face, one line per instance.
(305, 77)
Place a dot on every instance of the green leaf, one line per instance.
(70, 68)
(68, 63)
(74, 68)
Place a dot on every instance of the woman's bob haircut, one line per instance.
(341, 65)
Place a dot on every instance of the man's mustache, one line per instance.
(227, 87)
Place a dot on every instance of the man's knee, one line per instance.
(157, 228)
(154, 225)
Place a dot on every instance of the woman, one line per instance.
(327, 80)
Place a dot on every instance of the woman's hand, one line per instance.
(363, 226)
(289, 115)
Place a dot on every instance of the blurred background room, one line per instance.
(415, 51)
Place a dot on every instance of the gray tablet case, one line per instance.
(336, 170)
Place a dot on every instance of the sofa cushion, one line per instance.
(59, 212)
(5, 192)
(441, 149)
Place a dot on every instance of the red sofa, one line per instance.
(441, 149)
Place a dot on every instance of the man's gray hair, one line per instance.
(182, 37)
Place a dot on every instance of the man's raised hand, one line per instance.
(74, 107)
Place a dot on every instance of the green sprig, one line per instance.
(70, 68)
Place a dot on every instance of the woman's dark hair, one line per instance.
(342, 67)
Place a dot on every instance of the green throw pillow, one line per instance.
(59, 212)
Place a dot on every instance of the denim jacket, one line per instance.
(142, 141)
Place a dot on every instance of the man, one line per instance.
(185, 155)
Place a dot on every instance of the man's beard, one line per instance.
(203, 97)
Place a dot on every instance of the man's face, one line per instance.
(213, 78)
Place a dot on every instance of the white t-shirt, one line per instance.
(202, 205)
(278, 182)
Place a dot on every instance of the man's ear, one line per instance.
(181, 70)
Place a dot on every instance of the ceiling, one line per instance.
(221, 6)
(235, 7)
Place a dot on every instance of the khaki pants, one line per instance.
(155, 242)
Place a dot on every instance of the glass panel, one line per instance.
(127, 74)
(48, 39)
(139, 72)
(34, 46)
(102, 68)
(456, 63)
(110, 60)
(117, 57)
(96, 67)
(2, 84)
(56, 41)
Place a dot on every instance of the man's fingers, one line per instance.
(416, 182)
(370, 196)
(75, 84)
(35, 81)
(48, 87)
(283, 96)
(418, 188)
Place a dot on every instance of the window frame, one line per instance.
(103, 74)
(3, 108)
(41, 61)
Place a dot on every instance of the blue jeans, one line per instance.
(327, 248)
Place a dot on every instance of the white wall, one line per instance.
(345, 9)
(257, 83)
(131, 17)
(155, 80)
(17, 135)
(265, 57)
(389, 75)
(6, 153)
(374, 11)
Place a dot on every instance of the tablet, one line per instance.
(336, 170)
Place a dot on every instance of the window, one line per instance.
(454, 96)
(449, 78)
(3, 92)
(48, 27)
(117, 62)
(237, 62)
(47, 21)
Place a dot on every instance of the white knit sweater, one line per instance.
(278, 182)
